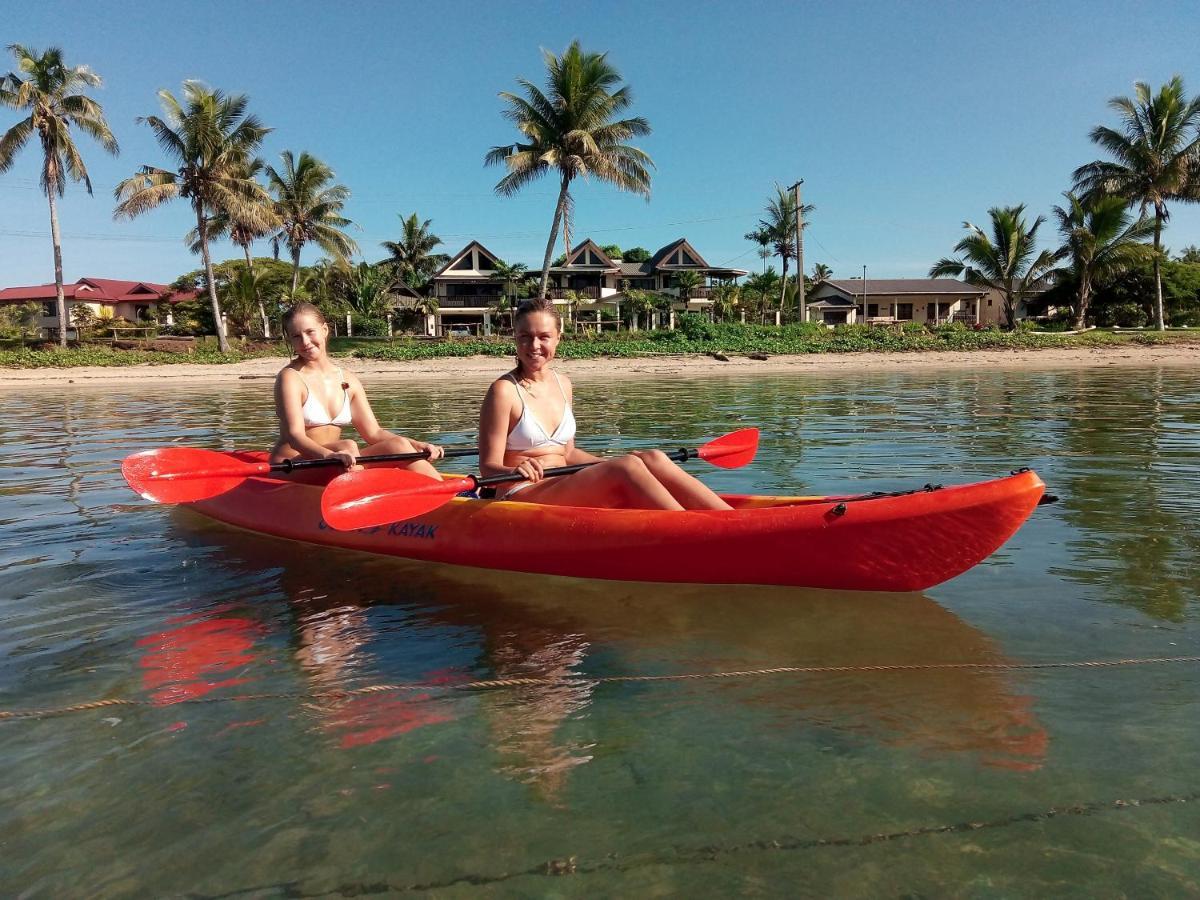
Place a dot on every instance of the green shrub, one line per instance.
(370, 327)
(1125, 315)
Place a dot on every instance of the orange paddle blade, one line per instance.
(367, 498)
(733, 450)
(185, 474)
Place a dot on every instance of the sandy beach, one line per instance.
(484, 368)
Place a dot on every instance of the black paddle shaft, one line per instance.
(289, 465)
(683, 454)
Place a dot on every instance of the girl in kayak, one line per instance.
(518, 434)
(315, 399)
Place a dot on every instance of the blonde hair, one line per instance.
(302, 308)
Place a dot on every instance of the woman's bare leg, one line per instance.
(402, 445)
(621, 483)
(688, 490)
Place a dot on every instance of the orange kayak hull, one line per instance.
(900, 542)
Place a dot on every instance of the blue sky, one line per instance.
(904, 119)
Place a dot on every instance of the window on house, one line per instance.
(989, 301)
(687, 259)
(904, 311)
(872, 310)
(486, 263)
(464, 263)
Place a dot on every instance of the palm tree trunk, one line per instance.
(558, 214)
(783, 282)
(295, 270)
(1082, 296)
(202, 230)
(262, 310)
(1159, 323)
(60, 298)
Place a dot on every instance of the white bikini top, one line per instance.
(316, 415)
(529, 433)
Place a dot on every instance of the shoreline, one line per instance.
(485, 368)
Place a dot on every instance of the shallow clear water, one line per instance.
(770, 785)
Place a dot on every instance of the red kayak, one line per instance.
(905, 541)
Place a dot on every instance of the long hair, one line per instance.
(301, 309)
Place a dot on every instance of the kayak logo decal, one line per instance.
(413, 529)
(396, 529)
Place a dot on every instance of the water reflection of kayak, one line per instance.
(898, 542)
(394, 620)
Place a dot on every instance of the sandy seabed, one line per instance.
(482, 369)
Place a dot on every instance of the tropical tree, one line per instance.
(612, 251)
(243, 230)
(412, 258)
(211, 139)
(762, 237)
(1102, 241)
(1190, 254)
(635, 254)
(821, 274)
(725, 299)
(1155, 159)
(504, 307)
(1007, 262)
(639, 303)
(309, 209)
(688, 282)
(511, 275)
(780, 228)
(572, 130)
(242, 298)
(370, 291)
(762, 286)
(47, 88)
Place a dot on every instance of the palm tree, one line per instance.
(762, 237)
(821, 274)
(242, 297)
(1007, 262)
(309, 209)
(412, 257)
(370, 294)
(688, 282)
(764, 285)
(725, 300)
(1156, 158)
(572, 130)
(243, 230)
(511, 275)
(1102, 241)
(53, 109)
(211, 139)
(780, 227)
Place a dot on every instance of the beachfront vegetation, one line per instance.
(778, 230)
(411, 259)
(1007, 262)
(1101, 240)
(1155, 159)
(211, 139)
(46, 88)
(309, 209)
(572, 131)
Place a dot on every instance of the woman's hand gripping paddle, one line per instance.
(185, 474)
(373, 497)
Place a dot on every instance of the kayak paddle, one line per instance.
(186, 474)
(373, 497)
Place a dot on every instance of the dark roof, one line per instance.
(656, 261)
(636, 269)
(895, 286)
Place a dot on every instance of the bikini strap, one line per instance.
(561, 390)
(517, 385)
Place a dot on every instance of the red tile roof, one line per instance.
(98, 290)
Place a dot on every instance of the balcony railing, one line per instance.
(476, 300)
(584, 293)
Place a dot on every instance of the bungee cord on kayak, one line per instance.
(498, 683)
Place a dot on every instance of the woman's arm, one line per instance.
(289, 406)
(493, 429)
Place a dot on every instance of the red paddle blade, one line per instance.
(185, 474)
(367, 498)
(733, 450)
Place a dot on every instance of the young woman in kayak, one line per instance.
(517, 433)
(315, 399)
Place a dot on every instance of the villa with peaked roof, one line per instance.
(107, 297)
(467, 287)
(930, 301)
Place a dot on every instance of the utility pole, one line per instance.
(864, 316)
(800, 251)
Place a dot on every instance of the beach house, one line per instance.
(108, 298)
(930, 301)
